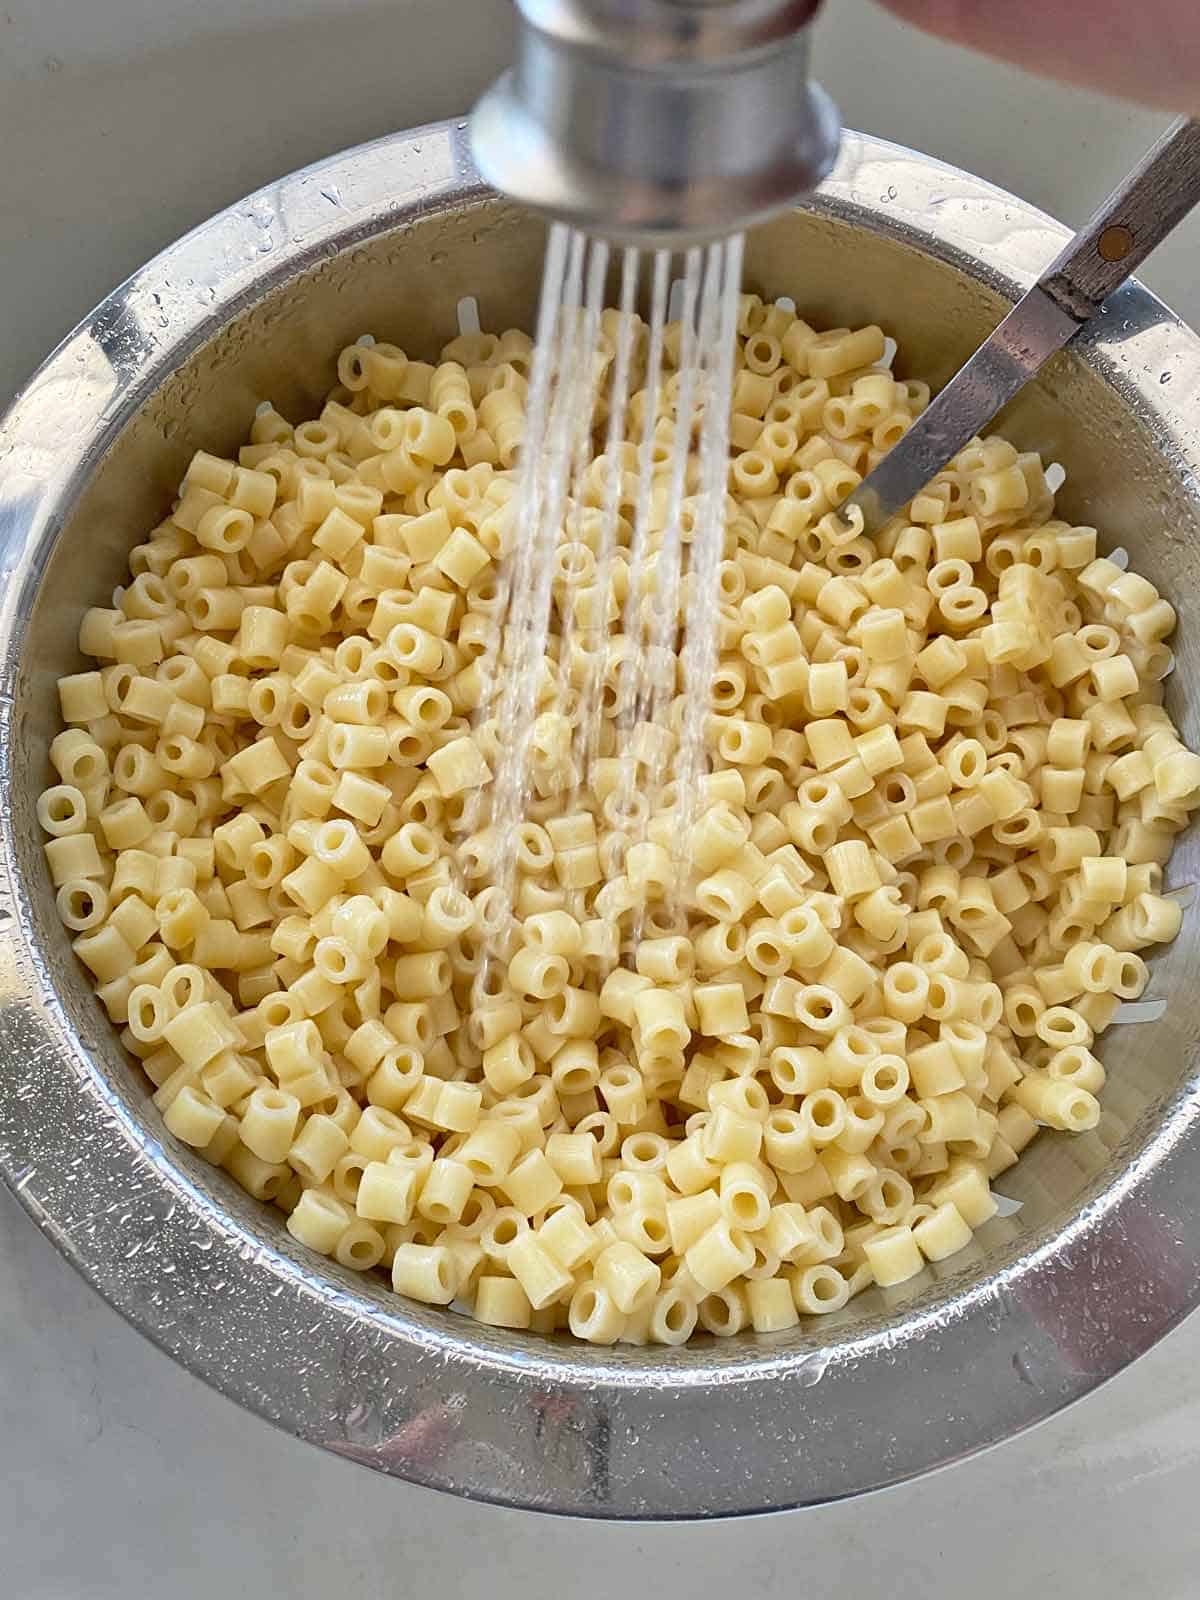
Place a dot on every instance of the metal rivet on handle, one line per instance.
(1115, 243)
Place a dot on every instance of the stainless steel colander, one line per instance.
(1104, 1255)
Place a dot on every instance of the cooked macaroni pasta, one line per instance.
(715, 1090)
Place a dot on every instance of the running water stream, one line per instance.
(594, 371)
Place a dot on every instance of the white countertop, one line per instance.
(123, 122)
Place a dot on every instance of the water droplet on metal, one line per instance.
(812, 1369)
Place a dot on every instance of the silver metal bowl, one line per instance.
(1104, 1256)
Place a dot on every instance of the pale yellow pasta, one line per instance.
(568, 1236)
(387, 1190)
(575, 1158)
(541, 1275)
(893, 1255)
(819, 1289)
(193, 1117)
(718, 1256)
(378, 1132)
(425, 1272)
(594, 1315)
(1057, 1102)
(268, 1124)
(942, 1233)
(531, 1183)
(771, 1305)
(319, 1220)
(715, 1088)
(317, 1148)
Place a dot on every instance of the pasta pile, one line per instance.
(723, 1091)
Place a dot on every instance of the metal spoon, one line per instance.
(1134, 219)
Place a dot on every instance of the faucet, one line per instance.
(658, 123)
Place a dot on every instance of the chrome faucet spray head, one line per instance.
(658, 123)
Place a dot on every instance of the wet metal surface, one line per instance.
(1104, 1256)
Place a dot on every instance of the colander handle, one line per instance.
(1132, 222)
